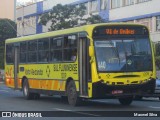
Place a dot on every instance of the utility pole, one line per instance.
(15, 1)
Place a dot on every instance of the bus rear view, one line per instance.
(124, 62)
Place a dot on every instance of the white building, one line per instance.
(145, 12)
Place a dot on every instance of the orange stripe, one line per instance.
(61, 85)
(49, 84)
(55, 87)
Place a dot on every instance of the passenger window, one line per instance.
(32, 51)
(9, 54)
(23, 52)
(56, 49)
(70, 48)
(43, 50)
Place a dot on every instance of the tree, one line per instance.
(68, 16)
(7, 30)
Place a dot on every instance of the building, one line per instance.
(145, 12)
(28, 15)
(7, 9)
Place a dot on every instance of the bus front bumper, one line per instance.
(101, 90)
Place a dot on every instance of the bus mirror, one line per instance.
(91, 53)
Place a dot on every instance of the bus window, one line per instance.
(9, 53)
(23, 52)
(32, 51)
(70, 48)
(43, 50)
(56, 49)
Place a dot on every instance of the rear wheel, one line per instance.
(26, 91)
(126, 100)
(73, 98)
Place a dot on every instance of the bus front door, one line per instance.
(16, 66)
(84, 66)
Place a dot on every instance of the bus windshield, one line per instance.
(123, 55)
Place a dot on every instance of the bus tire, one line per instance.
(72, 94)
(126, 100)
(26, 93)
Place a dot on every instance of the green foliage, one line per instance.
(6, 31)
(68, 16)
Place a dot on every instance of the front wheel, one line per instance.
(72, 94)
(126, 100)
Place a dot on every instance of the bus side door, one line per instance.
(84, 67)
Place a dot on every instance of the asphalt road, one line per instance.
(11, 100)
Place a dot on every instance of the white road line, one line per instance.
(77, 112)
(4, 91)
(154, 107)
(102, 101)
(61, 109)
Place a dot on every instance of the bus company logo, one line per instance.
(33, 72)
(48, 71)
(129, 62)
(6, 114)
(108, 75)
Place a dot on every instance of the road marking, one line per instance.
(102, 101)
(77, 112)
(154, 107)
(4, 91)
(61, 109)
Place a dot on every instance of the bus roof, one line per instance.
(64, 31)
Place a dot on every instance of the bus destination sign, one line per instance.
(119, 31)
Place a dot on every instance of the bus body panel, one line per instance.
(53, 76)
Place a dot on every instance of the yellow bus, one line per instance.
(111, 60)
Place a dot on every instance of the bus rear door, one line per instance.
(16, 65)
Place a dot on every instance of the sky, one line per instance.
(56, 1)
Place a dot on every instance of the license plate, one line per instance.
(117, 92)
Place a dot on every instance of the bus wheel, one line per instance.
(26, 93)
(126, 100)
(73, 98)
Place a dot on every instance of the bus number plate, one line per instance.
(117, 92)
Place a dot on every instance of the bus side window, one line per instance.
(74, 55)
(56, 49)
(9, 54)
(70, 48)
